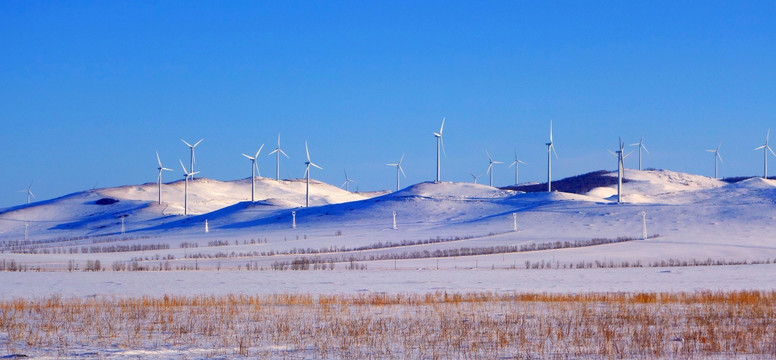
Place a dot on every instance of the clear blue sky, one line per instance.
(89, 90)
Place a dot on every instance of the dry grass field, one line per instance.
(398, 326)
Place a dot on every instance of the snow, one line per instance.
(696, 217)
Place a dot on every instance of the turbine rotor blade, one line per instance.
(158, 160)
(249, 157)
(522, 162)
(164, 168)
(771, 150)
(307, 150)
(284, 153)
(316, 166)
(258, 152)
(183, 167)
(402, 171)
(760, 147)
(719, 156)
(187, 144)
(197, 143)
(441, 128)
(402, 158)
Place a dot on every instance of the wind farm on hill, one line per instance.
(625, 218)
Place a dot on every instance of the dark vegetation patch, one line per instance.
(580, 184)
(732, 180)
(106, 201)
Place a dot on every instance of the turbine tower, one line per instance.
(516, 164)
(640, 144)
(347, 181)
(716, 156)
(620, 154)
(278, 151)
(490, 166)
(550, 151)
(398, 169)
(159, 178)
(254, 169)
(766, 148)
(192, 155)
(186, 176)
(440, 144)
(29, 193)
(307, 175)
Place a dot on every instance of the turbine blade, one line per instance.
(522, 162)
(760, 147)
(553, 151)
(442, 141)
(719, 156)
(392, 164)
(489, 168)
(512, 164)
(194, 173)
(284, 153)
(644, 147)
(402, 158)
(272, 152)
(183, 167)
(248, 156)
(441, 128)
(498, 162)
(402, 172)
(316, 166)
(256, 164)
(771, 150)
(307, 150)
(258, 152)
(164, 168)
(714, 151)
(550, 131)
(611, 152)
(158, 160)
(197, 143)
(489, 158)
(187, 144)
(629, 154)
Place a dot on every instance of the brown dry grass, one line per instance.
(401, 326)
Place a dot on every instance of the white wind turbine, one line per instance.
(620, 154)
(490, 166)
(307, 174)
(347, 182)
(159, 178)
(29, 193)
(186, 176)
(192, 155)
(550, 151)
(398, 169)
(475, 177)
(254, 169)
(766, 149)
(440, 144)
(516, 164)
(278, 151)
(716, 156)
(640, 144)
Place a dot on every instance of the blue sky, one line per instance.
(89, 90)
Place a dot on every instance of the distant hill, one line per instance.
(733, 180)
(580, 184)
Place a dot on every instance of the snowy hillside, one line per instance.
(438, 225)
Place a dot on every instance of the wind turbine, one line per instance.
(307, 174)
(440, 143)
(490, 166)
(550, 151)
(640, 144)
(620, 154)
(516, 164)
(192, 155)
(186, 176)
(159, 178)
(398, 169)
(766, 148)
(254, 169)
(278, 151)
(29, 193)
(716, 156)
(475, 177)
(347, 181)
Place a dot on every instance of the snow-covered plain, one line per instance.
(694, 218)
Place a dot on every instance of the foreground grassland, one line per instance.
(399, 326)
